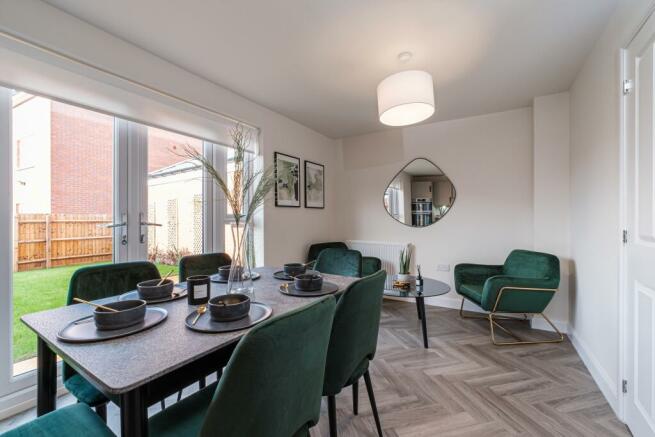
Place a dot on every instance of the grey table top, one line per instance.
(119, 365)
(430, 288)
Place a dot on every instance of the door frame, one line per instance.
(647, 23)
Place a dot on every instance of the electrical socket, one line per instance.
(443, 268)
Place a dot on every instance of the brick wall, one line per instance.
(82, 144)
(82, 154)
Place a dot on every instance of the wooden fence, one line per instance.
(42, 241)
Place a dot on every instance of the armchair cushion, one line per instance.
(516, 301)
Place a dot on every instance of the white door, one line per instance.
(639, 401)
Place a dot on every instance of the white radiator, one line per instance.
(388, 253)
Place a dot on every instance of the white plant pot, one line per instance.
(404, 277)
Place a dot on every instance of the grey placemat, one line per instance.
(134, 294)
(327, 288)
(84, 330)
(258, 313)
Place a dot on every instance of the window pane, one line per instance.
(175, 198)
(63, 194)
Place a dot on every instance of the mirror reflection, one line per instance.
(420, 194)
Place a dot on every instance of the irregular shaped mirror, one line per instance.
(420, 194)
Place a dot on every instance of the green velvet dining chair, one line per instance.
(316, 248)
(524, 284)
(271, 387)
(98, 282)
(370, 265)
(77, 420)
(353, 343)
(344, 262)
(203, 264)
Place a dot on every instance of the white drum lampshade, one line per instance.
(406, 98)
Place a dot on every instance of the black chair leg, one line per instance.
(371, 397)
(101, 410)
(179, 395)
(162, 403)
(355, 397)
(332, 415)
(202, 383)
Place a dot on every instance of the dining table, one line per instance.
(140, 370)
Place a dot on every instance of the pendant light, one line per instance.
(406, 98)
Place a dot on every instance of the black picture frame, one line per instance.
(279, 157)
(308, 180)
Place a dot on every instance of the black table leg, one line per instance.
(46, 395)
(134, 414)
(418, 309)
(420, 301)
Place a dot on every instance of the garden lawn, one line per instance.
(38, 290)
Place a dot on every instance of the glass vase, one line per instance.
(240, 280)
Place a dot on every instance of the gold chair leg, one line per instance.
(485, 316)
(493, 322)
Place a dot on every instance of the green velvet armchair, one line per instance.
(524, 284)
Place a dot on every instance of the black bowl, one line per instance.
(149, 290)
(130, 312)
(224, 271)
(294, 269)
(308, 282)
(229, 307)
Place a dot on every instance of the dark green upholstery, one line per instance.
(354, 333)
(271, 387)
(106, 280)
(205, 264)
(315, 249)
(343, 262)
(76, 420)
(370, 265)
(97, 282)
(523, 268)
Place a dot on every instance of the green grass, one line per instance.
(38, 290)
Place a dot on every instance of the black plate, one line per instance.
(216, 278)
(258, 313)
(328, 288)
(135, 295)
(84, 330)
(284, 277)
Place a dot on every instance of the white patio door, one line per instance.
(639, 401)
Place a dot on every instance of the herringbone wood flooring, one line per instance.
(461, 386)
(465, 386)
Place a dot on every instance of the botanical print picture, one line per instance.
(314, 185)
(287, 180)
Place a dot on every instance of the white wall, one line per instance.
(489, 160)
(286, 230)
(595, 227)
(551, 192)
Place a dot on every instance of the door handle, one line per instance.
(144, 227)
(122, 224)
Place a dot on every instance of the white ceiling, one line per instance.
(319, 62)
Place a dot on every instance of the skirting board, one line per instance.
(609, 389)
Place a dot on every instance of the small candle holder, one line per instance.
(198, 288)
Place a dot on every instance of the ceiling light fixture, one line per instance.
(407, 97)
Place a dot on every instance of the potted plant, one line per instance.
(404, 265)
